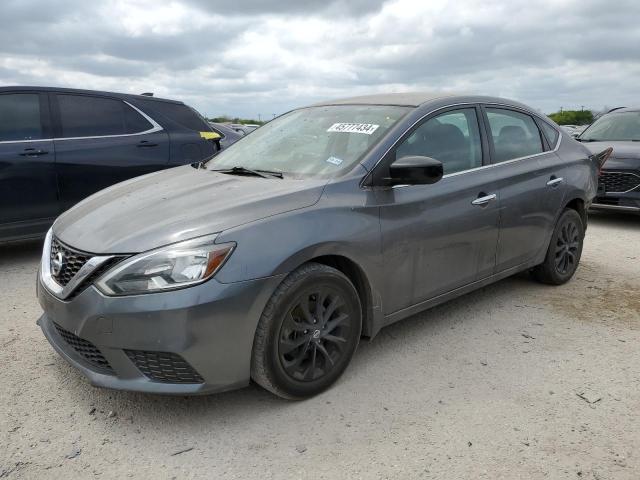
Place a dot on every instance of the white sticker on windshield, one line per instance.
(366, 128)
(334, 160)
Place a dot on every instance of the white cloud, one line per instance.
(254, 57)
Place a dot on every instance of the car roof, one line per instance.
(624, 109)
(417, 99)
(77, 90)
(405, 99)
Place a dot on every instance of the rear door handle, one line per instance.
(484, 199)
(145, 143)
(555, 181)
(32, 152)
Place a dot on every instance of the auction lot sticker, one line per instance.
(366, 128)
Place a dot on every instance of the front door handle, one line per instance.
(484, 199)
(32, 152)
(554, 181)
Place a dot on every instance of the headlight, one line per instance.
(175, 266)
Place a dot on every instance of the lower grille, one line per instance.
(85, 348)
(619, 182)
(164, 367)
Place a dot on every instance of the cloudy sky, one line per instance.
(250, 57)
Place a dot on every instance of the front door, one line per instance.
(436, 238)
(28, 189)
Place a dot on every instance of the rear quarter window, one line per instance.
(179, 113)
(550, 133)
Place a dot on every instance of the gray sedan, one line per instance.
(271, 260)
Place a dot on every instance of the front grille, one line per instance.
(93, 276)
(619, 182)
(72, 261)
(85, 348)
(164, 367)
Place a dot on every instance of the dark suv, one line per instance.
(58, 146)
(619, 186)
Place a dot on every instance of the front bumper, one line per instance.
(210, 326)
(619, 186)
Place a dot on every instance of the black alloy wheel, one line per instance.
(564, 251)
(314, 334)
(567, 245)
(308, 332)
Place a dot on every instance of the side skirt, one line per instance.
(432, 302)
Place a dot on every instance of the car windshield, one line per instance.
(614, 126)
(316, 141)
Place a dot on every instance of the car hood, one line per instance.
(621, 150)
(177, 204)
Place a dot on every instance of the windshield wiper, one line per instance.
(240, 170)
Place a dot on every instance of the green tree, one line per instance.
(572, 117)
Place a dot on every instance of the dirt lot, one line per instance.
(517, 380)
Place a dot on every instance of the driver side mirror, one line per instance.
(415, 170)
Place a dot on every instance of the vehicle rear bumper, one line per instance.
(191, 341)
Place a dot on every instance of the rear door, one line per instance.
(101, 141)
(28, 189)
(530, 182)
(191, 135)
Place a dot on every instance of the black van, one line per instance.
(58, 146)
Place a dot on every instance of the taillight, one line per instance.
(602, 157)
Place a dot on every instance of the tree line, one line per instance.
(243, 121)
(572, 117)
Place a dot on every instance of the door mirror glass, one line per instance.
(415, 170)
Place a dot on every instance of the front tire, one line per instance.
(308, 332)
(565, 249)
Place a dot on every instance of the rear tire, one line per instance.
(308, 332)
(565, 249)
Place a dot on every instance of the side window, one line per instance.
(514, 134)
(179, 113)
(551, 134)
(20, 117)
(86, 116)
(452, 138)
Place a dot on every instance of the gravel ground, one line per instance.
(517, 380)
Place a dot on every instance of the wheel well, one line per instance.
(578, 205)
(354, 273)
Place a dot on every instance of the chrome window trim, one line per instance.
(54, 287)
(623, 173)
(155, 127)
(31, 140)
(461, 172)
